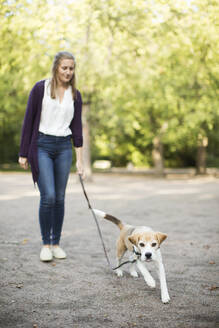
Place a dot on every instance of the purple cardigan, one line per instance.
(30, 129)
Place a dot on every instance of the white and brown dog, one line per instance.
(144, 244)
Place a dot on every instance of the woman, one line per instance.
(53, 117)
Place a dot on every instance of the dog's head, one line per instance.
(147, 243)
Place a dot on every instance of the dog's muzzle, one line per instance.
(148, 257)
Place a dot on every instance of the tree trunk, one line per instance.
(201, 155)
(157, 155)
(86, 144)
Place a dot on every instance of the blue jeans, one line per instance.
(54, 161)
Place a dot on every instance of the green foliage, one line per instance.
(148, 68)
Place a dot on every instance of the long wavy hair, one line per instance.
(54, 81)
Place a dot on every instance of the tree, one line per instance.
(146, 70)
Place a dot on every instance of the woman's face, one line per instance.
(65, 70)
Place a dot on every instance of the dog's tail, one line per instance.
(109, 218)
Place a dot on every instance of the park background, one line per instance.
(148, 74)
(147, 71)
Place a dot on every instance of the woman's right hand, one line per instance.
(23, 162)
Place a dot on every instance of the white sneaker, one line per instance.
(46, 254)
(58, 253)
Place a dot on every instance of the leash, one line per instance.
(100, 233)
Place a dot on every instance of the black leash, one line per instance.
(99, 231)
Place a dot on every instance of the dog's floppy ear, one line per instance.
(134, 239)
(160, 236)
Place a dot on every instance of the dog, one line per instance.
(144, 244)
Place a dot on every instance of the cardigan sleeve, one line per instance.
(27, 128)
(76, 124)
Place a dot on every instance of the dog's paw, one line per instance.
(165, 299)
(151, 283)
(134, 274)
(119, 273)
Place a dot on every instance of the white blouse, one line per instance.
(55, 116)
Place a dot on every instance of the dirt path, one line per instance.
(80, 291)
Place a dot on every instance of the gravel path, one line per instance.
(81, 292)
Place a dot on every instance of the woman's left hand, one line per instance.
(80, 169)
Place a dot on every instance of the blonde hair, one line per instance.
(54, 81)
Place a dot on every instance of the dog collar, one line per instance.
(136, 253)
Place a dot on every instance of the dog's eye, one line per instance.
(141, 244)
(153, 244)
